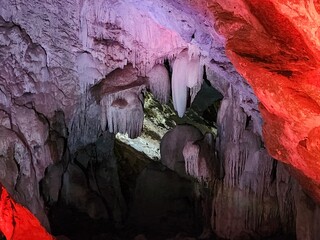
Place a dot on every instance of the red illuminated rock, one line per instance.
(275, 45)
(17, 223)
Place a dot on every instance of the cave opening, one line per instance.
(131, 189)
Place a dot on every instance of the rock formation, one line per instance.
(275, 45)
(17, 222)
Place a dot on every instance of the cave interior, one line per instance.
(160, 120)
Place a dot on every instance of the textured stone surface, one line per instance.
(91, 182)
(18, 222)
(308, 216)
(275, 46)
(256, 197)
(172, 144)
(247, 192)
(200, 159)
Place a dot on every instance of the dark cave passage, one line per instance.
(158, 203)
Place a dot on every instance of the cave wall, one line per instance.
(275, 45)
(248, 191)
(17, 222)
(257, 196)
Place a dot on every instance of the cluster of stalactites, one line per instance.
(123, 112)
(199, 158)
(159, 83)
(187, 72)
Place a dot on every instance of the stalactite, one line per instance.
(186, 73)
(159, 83)
(199, 157)
(124, 112)
(191, 157)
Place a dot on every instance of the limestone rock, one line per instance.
(200, 159)
(17, 221)
(91, 182)
(278, 54)
(246, 198)
(172, 144)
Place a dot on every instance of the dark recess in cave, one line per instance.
(160, 205)
(207, 101)
(2, 237)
